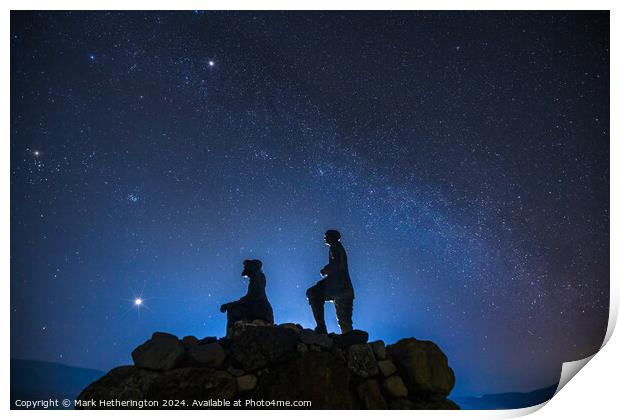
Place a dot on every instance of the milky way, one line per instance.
(463, 156)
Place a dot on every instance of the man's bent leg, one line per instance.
(344, 312)
(316, 299)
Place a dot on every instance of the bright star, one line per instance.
(211, 63)
(137, 302)
(36, 153)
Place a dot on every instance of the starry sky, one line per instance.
(464, 157)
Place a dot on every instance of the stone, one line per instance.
(162, 352)
(210, 355)
(386, 367)
(235, 372)
(395, 387)
(351, 338)
(273, 363)
(378, 348)
(241, 326)
(260, 323)
(225, 342)
(189, 341)
(208, 340)
(262, 372)
(339, 354)
(295, 327)
(254, 348)
(246, 383)
(370, 395)
(362, 361)
(423, 367)
(310, 337)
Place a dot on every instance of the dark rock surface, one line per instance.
(361, 360)
(351, 338)
(283, 364)
(370, 395)
(423, 367)
(162, 352)
(255, 347)
(208, 355)
(378, 348)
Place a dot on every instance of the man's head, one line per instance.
(332, 236)
(251, 267)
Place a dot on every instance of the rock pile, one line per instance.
(282, 363)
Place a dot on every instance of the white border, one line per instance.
(593, 394)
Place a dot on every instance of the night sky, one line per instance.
(464, 157)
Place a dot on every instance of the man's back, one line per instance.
(338, 270)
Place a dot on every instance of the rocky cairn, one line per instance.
(283, 363)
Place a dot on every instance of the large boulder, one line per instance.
(423, 367)
(255, 347)
(361, 360)
(208, 355)
(162, 352)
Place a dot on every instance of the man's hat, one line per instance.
(333, 233)
(256, 263)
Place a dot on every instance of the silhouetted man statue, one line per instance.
(336, 285)
(254, 305)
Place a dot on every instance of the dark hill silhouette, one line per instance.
(507, 400)
(36, 380)
(265, 363)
